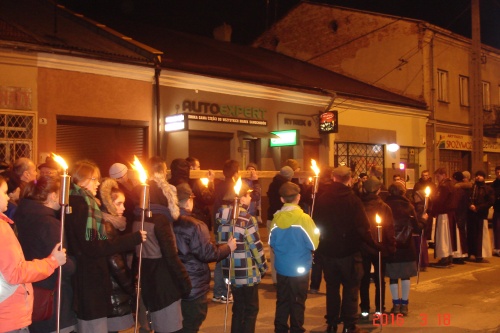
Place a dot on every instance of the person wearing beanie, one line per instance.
(402, 264)
(196, 250)
(482, 198)
(245, 268)
(375, 206)
(275, 204)
(293, 238)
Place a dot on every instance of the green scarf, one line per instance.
(95, 229)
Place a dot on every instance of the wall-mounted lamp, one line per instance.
(393, 147)
(175, 123)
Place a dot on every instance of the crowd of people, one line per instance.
(339, 229)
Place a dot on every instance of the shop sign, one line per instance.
(464, 142)
(15, 98)
(306, 124)
(227, 120)
(225, 110)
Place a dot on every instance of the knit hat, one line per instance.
(372, 185)
(184, 192)
(49, 163)
(292, 164)
(397, 188)
(287, 172)
(480, 173)
(289, 189)
(341, 171)
(118, 170)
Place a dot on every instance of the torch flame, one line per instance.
(314, 167)
(427, 191)
(204, 181)
(237, 186)
(137, 166)
(60, 161)
(378, 219)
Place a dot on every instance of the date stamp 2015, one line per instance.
(391, 319)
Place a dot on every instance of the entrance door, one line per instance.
(311, 151)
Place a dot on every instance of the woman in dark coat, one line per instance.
(164, 279)
(39, 230)
(402, 264)
(89, 244)
(122, 282)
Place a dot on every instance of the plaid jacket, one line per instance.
(248, 261)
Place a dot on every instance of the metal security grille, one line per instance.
(451, 160)
(17, 133)
(359, 156)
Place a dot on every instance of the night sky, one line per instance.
(249, 18)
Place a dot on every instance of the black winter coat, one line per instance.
(273, 195)
(122, 282)
(164, 279)
(404, 215)
(196, 251)
(39, 231)
(483, 197)
(92, 282)
(340, 216)
(375, 205)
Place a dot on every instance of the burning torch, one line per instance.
(65, 209)
(144, 206)
(379, 239)
(426, 205)
(236, 206)
(315, 168)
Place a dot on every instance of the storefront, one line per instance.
(455, 153)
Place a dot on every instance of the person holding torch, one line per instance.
(90, 246)
(245, 267)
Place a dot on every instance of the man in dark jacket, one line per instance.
(374, 206)
(344, 226)
(496, 215)
(275, 204)
(418, 194)
(481, 200)
(196, 251)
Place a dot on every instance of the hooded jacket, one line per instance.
(273, 195)
(16, 309)
(293, 237)
(340, 216)
(196, 250)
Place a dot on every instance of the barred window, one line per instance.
(17, 133)
(359, 156)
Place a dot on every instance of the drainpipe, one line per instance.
(157, 62)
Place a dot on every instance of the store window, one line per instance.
(442, 77)
(454, 160)
(359, 156)
(17, 132)
(464, 90)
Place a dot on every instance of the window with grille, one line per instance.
(409, 155)
(359, 156)
(17, 133)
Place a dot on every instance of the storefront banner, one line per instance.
(307, 125)
(464, 142)
(227, 120)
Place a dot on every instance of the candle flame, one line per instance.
(204, 181)
(59, 160)
(237, 187)
(310, 179)
(137, 166)
(378, 219)
(314, 167)
(427, 191)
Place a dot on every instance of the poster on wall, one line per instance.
(328, 122)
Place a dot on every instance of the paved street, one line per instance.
(464, 298)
